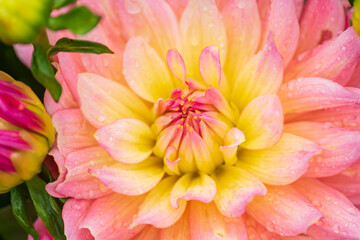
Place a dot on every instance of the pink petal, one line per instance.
(219, 102)
(282, 22)
(78, 182)
(178, 6)
(242, 24)
(284, 211)
(355, 77)
(233, 138)
(41, 230)
(320, 22)
(127, 140)
(178, 231)
(201, 26)
(346, 182)
(73, 213)
(341, 218)
(256, 231)
(206, 222)
(132, 179)
(145, 71)
(235, 189)
(281, 164)
(309, 94)
(104, 101)
(110, 217)
(210, 66)
(156, 208)
(347, 116)
(262, 122)
(340, 147)
(24, 53)
(261, 75)
(344, 51)
(73, 131)
(198, 187)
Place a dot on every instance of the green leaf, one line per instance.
(19, 207)
(351, 2)
(46, 207)
(9, 227)
(79, 20)
(62, 3)
(72, 45)
(43, 71)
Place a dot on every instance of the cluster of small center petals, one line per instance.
(185, 118)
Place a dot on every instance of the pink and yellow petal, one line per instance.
(156, 209)
(262, 122)
(104, 101)
(283, 211)
(131, 179)
(201, 26)
(341, 217)
(178, 231)
(147, 233)
(256, 231)
(283, 163)
(309, 94)
(235, 189)
(242, 23)
(340, 147)
(128, 140)
(262, 74)
(198, 186)
(145, 71)
(210, 66)
(206, 222)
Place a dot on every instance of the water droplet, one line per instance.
(132, 6)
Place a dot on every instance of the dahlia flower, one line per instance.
(26, 133)
(232, 119)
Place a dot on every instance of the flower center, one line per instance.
(190, 132)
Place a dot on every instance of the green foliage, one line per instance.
(21, 213)
(79, 20)
(62, 3)
(47, 208)
(43, 71)
(72, 45)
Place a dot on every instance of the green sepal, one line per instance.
(46, 207)
(72, 45)
(43, 71)
(79, 20)
(62, 3)
(21, 213)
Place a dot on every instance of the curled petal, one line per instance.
(340, 147)
(235, 189)
(262, 74)
(156, 208)
(102, 104)
(131, 179)
(206, 222)
(127, 140)
(262, 122)
(341, 217)
(233, 138)
(145, 72)
(176, 64)
(281, 164)
(284, 211)
(210, 66)
(198, 187)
